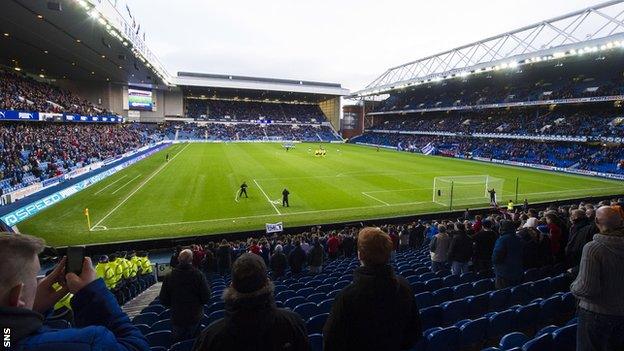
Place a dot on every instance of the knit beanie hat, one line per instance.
(249, 273)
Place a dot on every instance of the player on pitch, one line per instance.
(285, 194)
(243, 190)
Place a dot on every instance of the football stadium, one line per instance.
(469, 199)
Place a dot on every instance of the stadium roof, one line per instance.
(80, 39)
(189, 79)
(595, 28)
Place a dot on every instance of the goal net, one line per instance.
(466, 190)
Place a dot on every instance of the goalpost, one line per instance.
(466, 190)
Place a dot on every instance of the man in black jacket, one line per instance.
(278, 261)
(297, 258)
(224, 257)
(581, 232)
(185, 291)
(252, 322)
(377, 311)
(460, 250)
(484, 241)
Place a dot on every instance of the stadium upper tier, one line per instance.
(21, 93)
(598, 76)
(228, 110)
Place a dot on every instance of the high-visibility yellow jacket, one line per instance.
(64, 302)
(117, 267)
(135, 266)
(126, 270)
(104, 270)
(147, 265)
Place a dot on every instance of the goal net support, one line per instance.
(466, 190)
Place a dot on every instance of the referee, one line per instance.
(285, 194)
(243, 190)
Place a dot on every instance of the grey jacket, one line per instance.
(600, 281)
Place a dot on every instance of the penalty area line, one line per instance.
(374, 198)
(106, 187)
(128, 182)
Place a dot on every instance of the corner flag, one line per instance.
(86, 213)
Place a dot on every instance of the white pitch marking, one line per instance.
(128, 182)
(104, 188)
(376, 199)
(140, 186)
(267, 197)
(236, 195)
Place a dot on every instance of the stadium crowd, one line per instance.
(237, 110)
(383, 305)
(21, 93)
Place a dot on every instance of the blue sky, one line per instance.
(344, 41)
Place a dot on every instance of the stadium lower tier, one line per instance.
(599, 157)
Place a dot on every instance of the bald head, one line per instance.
(608, 218)
(185, 256)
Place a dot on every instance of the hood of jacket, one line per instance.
(249, 315)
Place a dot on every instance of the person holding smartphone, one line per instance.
(24, 302)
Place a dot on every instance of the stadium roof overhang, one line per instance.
(75, 39)
(229, 86)
(593, 29)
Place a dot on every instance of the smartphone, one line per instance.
(75, 257)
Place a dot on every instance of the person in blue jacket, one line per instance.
(24, 301)
(507, 256)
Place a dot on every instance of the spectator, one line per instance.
(484, 241)
(403, 239)
(581, 232)
(377, 311)
(185, 291)
(557, 239)
(100, 322)
(252, 322)
(224, 257)
(439, 247)
(507, 257)
(297, 258)
(598, 286)
(417, 234)
(348, 245)
(460, 250)
(173, 261)
(333, 245)
(278, 262)
(316, 257)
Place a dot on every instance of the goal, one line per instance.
(466, 190)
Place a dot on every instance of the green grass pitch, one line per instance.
(195, 192)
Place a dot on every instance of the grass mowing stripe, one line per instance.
(128, 182)
(374, 198)
(106, 187)
(139, 187)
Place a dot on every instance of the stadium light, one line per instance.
(17, 69)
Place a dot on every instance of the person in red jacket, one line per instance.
(255, 248)
(333, 245)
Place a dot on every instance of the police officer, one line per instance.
(285, 194)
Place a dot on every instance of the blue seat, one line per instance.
(160, 338)
(426, 276)
(446, 339)
(325, 306)
(316, 342)
(315, 324)
(424, 299)
(568, 305)
(540, 343)
(443, 273)
(467, 277)
(332, 294)
(564, 339)
(341, 284)
(451, 280)
(560, 283)
(549, 309)
(463, 290)
(453, 311)
(166, 314)
(317, 297)
(418, 287)
(305, 292)
(501, 323)
(478, 305)
(526, 317)
(472, 334)
(541, 288)
(153, 308)
(325, 288)
(164, 324)
(215, 306)
(499, 299)
(158, 348)
(143, 328)
(546, 330)
(215, 316)
(531, 275)
(186, 345)
(431, 317)
(520, 295)
(512, 340)
(433, 284)
(294, 301)
(482, 286)
(145, 318)
(306, 310)
(285, 295)
(442, 295)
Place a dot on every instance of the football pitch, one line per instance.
(195, 192)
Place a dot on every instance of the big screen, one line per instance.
(139, 99)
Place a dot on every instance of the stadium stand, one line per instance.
(234, 110)
(458, 312)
